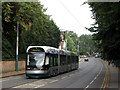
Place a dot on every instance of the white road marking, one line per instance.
(53, 81)
(18, 86)
(2, 80)
(30, 84)
(94, 79)
(38, 81)
(91, 81)
(64, 77)
(40, 86)
(87, 86)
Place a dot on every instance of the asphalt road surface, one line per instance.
(91, 74)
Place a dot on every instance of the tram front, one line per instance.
(35, 63)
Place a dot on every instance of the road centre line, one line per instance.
(87, 87)
(94, 79)
(91, 81)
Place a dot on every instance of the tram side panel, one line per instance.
(53, 64)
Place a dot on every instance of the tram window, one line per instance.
(56, 61)
(73, 59)
(51, 61)
(77, 59)
(47, 60)
(60, 59)
(68, 59)
(64, 59)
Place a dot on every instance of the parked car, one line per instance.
(86, 59)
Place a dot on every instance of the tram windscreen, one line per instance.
(35, 59)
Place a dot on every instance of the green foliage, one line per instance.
(71, 38)
(107, 28)
(35, 27)
(87, 44)
(9, 51)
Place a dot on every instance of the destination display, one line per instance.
(36, 50)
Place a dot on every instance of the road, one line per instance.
(91, 74)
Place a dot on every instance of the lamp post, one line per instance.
(17, 46)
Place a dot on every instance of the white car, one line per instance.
(83, 56)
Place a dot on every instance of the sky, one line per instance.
(70, 15)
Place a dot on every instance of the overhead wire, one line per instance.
(71, 14)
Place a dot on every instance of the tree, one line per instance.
(107, 30)
(87, 44)
(71, 38)
(35, 27)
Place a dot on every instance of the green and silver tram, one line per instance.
(44, 61)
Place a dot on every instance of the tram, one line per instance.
(45, 61)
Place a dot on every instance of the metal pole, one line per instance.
(66, 45)
(69, 44)
(17, 46)
(76, 44)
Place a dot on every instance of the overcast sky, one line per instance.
(69, 14)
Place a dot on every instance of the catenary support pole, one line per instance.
(17, 46)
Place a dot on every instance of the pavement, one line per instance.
(114, 80)
(14, 73)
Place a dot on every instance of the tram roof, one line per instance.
(49, 49)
